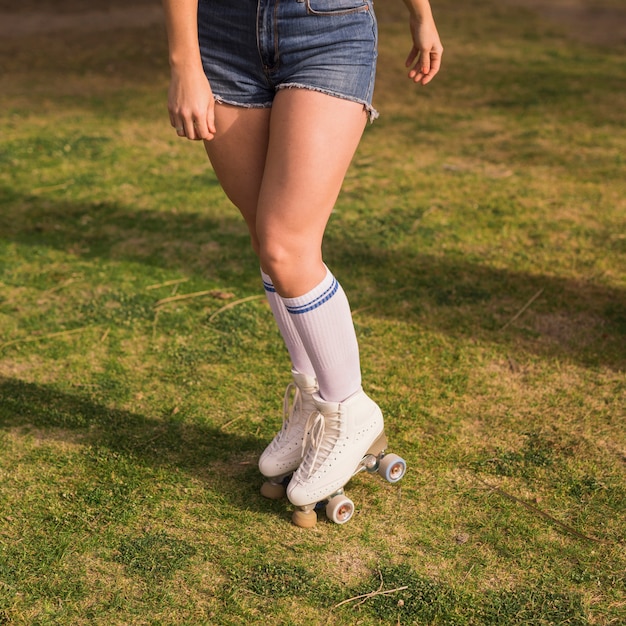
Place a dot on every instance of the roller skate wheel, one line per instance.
(392, 468)
(273, 491)
(304, 519)
(340, 509)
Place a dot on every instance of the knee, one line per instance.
(276, 261)
(293, 272)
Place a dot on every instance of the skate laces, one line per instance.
(292, 402)
(321, 434)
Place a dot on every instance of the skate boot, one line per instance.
(342, 439)
(284, 453)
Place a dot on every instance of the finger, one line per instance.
(435, 64)
(210, 118)
(417, 72)
(424, 63)
(412, 56)
(202, 129)
(421, 68)
(204, 125)
(190, 130)
(426, 68)
(195, 127)
(199, 129)
(177, 125)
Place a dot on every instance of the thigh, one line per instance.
(313, 137)
(237, 154)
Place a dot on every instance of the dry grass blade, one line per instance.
(187, 296)
(64, 284)
(537, 511)
(227, 424)
(231, 305)
(366, 596)
(63, 333)
(49, 188)
(167, 283)
(372, 594)
(524, 308)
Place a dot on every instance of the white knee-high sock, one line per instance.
(324, 323)
(297, 352)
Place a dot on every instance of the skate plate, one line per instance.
(339, 508)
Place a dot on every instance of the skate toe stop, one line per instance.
(304, 519)
(272, 491)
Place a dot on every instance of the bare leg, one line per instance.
(312, 140)
(283, 168)
(237, 154)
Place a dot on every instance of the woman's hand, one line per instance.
(424, 60)
(191, 104)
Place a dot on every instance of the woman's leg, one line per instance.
(238, 154)
(312, 140)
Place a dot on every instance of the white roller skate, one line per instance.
(342, 439)
(284, 454)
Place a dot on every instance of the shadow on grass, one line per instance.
(190, 447)
(573, 320)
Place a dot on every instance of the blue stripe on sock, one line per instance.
(316, 302)
(269, 287)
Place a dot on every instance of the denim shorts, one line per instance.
(253, 48)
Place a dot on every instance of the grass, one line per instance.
(480, 238)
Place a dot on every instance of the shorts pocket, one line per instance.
(335, 7)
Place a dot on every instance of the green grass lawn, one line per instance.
(481, 240)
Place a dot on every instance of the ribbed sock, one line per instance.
(323, 320)
(297, 352)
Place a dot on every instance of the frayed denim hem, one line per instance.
(243, 105)
(372, 113)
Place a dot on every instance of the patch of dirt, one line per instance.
(70, 15)
(590, 21)
(54, 7)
